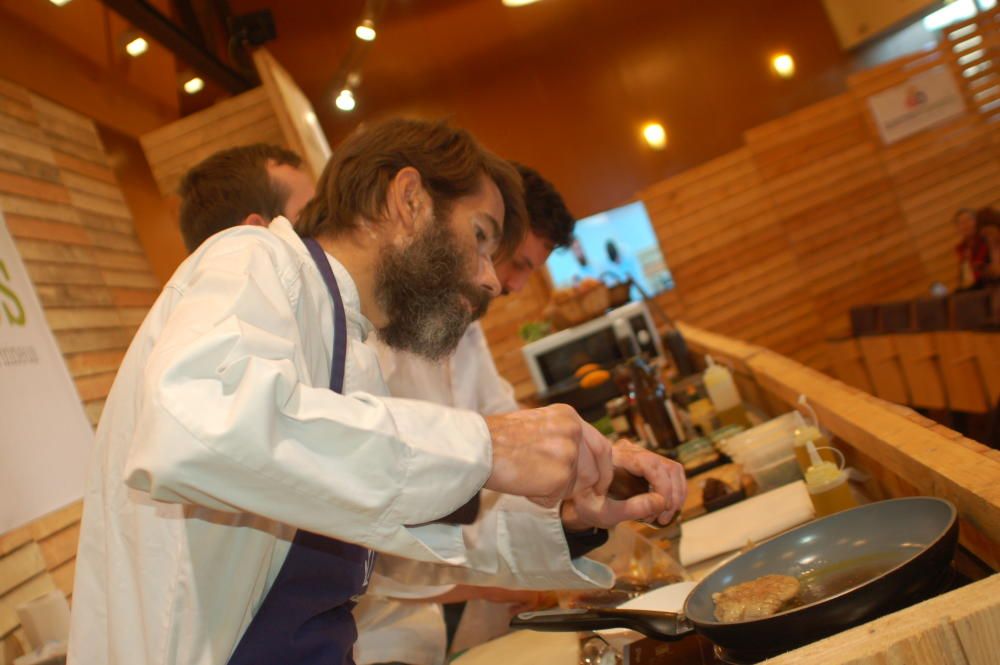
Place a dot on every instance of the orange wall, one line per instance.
(128, 96)
(155, 216)
(570, 100)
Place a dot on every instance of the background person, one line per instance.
(395, 625)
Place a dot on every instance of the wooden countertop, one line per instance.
(906, 454)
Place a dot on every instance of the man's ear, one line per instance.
(253, 219)
(406, 198)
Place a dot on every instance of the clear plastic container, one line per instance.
(775, 435)
(771, 473)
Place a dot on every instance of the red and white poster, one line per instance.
(925, 100)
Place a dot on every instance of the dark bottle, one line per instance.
(651, 399)
(647, 391)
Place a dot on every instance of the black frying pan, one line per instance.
(854, 566)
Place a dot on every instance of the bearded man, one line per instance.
(248, 460)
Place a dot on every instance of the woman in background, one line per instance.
(988, 225)
(973, 251)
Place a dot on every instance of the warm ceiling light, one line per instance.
(136, 47)
(655, 135)
(366, 30)
(194, 85)
(783, 65)
(518, 3)
(60, 3)
(345, 100)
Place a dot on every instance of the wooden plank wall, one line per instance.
(500, 325)
(241, 120)
(74, 232)
(774, 242)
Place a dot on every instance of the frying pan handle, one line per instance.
(663, 626)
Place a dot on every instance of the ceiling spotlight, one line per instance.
(136, 45)
(655, 135)
(518, 3)
(783, 65)
(365, 30)
(345, 100)
(194, 85)
(60, 3)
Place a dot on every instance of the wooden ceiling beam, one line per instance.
(149, 20)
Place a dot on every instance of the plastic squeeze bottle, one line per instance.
(827, 485)
(723, 394)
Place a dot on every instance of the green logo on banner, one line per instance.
(14, 316)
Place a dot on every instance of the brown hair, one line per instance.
(450, 161)
(226, 187)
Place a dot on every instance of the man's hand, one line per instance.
(547, 455)
(668, 488)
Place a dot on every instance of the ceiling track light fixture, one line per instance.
(655, 135)
(193, 85)
(345, 100)
(365, 30)
(783, 65)
(344, 85)
(133, 43)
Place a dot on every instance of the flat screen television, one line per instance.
(615, 244)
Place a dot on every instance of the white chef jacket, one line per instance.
(468, 379)
(220, 436)
(412, 632)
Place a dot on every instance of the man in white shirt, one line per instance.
(222, 442)
(394, 625)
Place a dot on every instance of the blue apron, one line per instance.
(305, 618)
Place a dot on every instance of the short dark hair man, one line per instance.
(247, 184)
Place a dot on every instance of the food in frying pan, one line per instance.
(755, 599)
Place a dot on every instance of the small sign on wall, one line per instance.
(925, 100)
(45, 439)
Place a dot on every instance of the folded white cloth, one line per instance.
(752, 520)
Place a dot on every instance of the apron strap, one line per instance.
(339, 361)
(305, 617)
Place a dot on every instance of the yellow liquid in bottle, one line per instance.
(736, 415)
(830, 497)
(802, 453)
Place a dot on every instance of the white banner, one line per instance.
(45, 439)
(923, 101)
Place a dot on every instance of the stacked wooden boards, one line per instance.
(74, 232)
(172, 150)
(276, 112)
(949, 369)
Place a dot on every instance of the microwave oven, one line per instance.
(553, 359)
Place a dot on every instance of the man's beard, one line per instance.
(420, 287)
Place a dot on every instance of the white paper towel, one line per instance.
(752, 520)
(45, 619)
